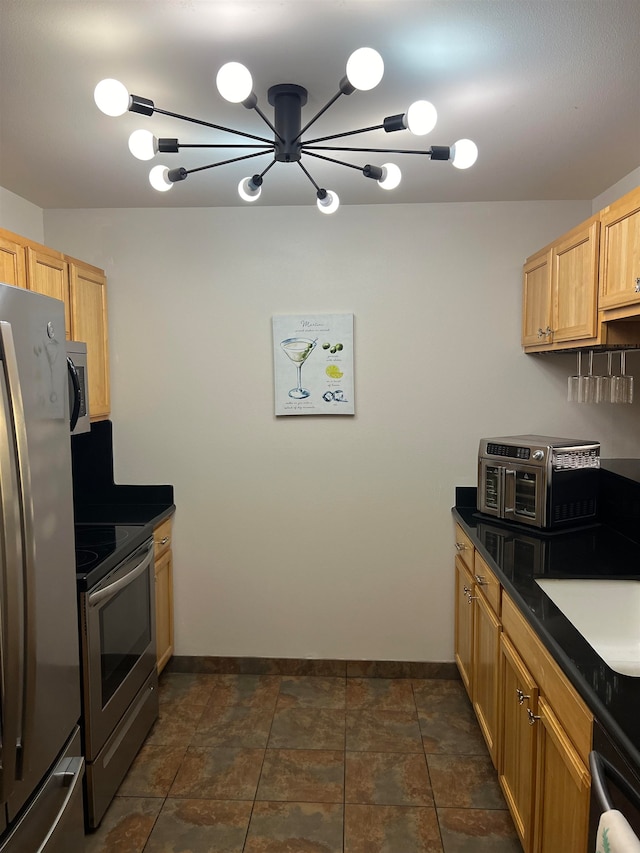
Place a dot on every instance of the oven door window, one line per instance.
(125, 633)
(525, 494)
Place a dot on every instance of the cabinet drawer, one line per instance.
(162, 537)
(487, 582)
(464, 547)
(553, 684)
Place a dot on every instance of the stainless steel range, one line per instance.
(115, 578)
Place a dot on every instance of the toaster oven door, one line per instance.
(513, 492)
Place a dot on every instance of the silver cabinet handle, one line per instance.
(163, 541)
(460, 546)
(521, 696)
(638, 285)
(533, 718)
(480, 580)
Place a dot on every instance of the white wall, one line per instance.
(21, 216)
(625, 185)
(324, 537)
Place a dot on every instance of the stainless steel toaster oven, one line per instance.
(541, 481)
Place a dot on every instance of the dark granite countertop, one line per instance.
(518, 557)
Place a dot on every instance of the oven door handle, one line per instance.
(101, 595)
(601, 768)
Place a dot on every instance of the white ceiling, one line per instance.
(548, 89)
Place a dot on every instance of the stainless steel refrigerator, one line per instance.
(41, 755)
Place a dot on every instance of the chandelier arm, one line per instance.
(214, 126)
(226, 162)
(332, 160)
(222, 145)
(309, 176)
(319, 113)
(346, 133)
(429, 151)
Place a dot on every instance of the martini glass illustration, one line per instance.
(298, 350)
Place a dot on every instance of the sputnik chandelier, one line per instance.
(364, 71)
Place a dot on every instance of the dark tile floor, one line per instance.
(309, 764)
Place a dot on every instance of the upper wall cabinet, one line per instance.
(575, 287)
(81, 287)
(620, 257)
(88, 302)
(12, 262)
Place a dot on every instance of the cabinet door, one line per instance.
(517, 746)
(48, 273)
(562, 801)
(164, 609)
(620, 253)
(13, 269)
(464, 614)
(575, 284)
(536, 300)
(89, 324)
(486, 660)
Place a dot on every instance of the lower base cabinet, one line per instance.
(163, 561)
(537, 728)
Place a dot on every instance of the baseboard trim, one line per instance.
(304, 666)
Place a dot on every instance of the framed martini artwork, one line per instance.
(313, 364)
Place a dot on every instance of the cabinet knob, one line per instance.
(533, 718)
(638, 285)
(521, 696)
(163, 541)
(470, 598)
(544, 333)
(460, 546)
(480, 580)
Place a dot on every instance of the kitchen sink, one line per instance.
(606, 613)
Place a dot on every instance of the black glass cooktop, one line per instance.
(100, 547)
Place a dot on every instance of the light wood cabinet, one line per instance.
(48, 273)
(562, 795)
(82, 288)
(88, 302)
(537, 728)
(486, 656)
(560, 778)
(464, 613)
(477, 634)
(583, 290)
(620, 257)
(536, 299)
(560, 292)
(163, 562)
(518, 739)
(13, 269)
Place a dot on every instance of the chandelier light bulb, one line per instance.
(111, 97)
(159, 179)
(248, 191)
(391, 176)
(464, 153)
(365, 68)
(330, 203)
(234, 82)
(421, 117)
(143, 144)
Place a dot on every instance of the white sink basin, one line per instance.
(606, 613)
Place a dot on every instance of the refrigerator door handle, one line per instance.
(10, 579)
(28, 657)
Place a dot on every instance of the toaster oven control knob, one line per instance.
(538, 454)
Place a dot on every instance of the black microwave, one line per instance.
(540, 481)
